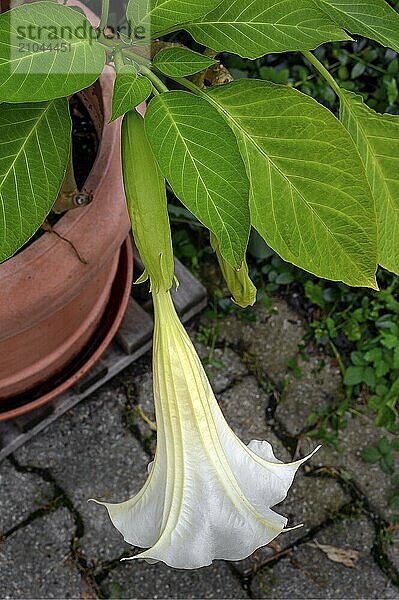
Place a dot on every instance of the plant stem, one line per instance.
(140, 60)
(104, 15)
(323, 71)
(156, 82)
(338, 358)
(189, 85)
(144, 69)
(68, 190)
(118, 60)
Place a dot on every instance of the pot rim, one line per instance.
(124, 274)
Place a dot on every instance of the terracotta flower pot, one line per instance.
(51, 302)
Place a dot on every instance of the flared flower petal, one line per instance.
(208, 495)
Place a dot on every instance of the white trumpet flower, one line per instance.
(208, 495)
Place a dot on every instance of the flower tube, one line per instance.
(208, 495)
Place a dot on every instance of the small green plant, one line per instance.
(116, 591)
(294, 368)
(359, 328)
(383, 454)
(394, 499)
(364, 327)
(326, 422)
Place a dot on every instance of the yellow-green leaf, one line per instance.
(310, 200)
(35, 141)
(377, 139)
(373, 19)
(180, 62)
(151, 18)
(47, 51)
(252, 28)
(130, 90)
(199, 156)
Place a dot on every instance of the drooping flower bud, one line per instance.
(145, 190)
(241, 287)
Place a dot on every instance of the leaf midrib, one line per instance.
(252, 23)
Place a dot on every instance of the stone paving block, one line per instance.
(141, 580)
(91, 454)
(272, 339)
(232, 368)
(310, 499)
(35, 561)
(143, 398)
(393, 551)
(309, 502)
(371, 480)
(308, 573)
(244, 407)
(20, 495)
(319, 386)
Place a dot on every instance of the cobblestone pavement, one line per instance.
(54, 544)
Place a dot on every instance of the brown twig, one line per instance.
(47, 227)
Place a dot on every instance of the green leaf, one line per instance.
(387, 464)
(373, 355)
(46, 51)
(151, 18)
(358, 359)
(384, 446)
(314, 293)
(309, 198)
(35, 141)
(199, 156)
(354, 375)
(394, 502)
(371, 454)
(381, 369)
(180, 62)
(369, 377)
(358, 69)
(389, 341)
(392, 90)
(373, 19)
(377, 139)
(130, 90)
(252, 28)
(386, 417)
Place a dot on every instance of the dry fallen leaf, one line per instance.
(344, 556)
